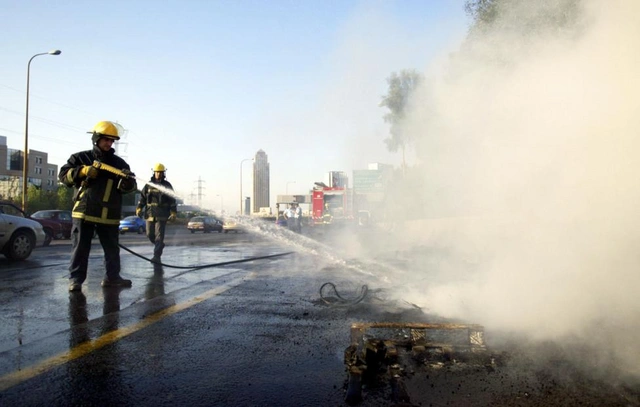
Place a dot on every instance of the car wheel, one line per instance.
(20, 245)
(140, 230)
(48, 237)
(193, 231)
(122, 232)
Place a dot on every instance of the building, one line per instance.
(337, 179)
(40, 173)
(260, 181)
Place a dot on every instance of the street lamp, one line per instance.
(220, 204)
(246, 159)
(25, 162)
(287, 187)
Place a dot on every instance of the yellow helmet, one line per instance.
(105, 129)
(159, 168)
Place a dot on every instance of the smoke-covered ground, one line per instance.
(527, 143)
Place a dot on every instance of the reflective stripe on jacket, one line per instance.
(101, 200)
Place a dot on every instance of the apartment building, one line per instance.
(40, 172)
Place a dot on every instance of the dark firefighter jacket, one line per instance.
(158, 204)
(101, 200)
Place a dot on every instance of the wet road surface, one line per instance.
(248, 334)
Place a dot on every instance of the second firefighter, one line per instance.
(157, 207)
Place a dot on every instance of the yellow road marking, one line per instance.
(12, 379)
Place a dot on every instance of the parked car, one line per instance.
(19, 235)
(56, 223)
(205, 224)
(231, 225)
(133, 224)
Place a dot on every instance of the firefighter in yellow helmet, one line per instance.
(157, 206)
(97, 206)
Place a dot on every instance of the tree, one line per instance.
(483, 12)
(39, 199)
(401, 88)
(64, 197)
(524, 17)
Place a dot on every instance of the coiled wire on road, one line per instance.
(339, 300)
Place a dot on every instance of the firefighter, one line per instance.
(326, 217)
(157, 207)
(97, 206)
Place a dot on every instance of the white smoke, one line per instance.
(532, 143)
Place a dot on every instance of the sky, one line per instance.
(202, 85)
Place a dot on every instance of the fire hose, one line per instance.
(124, 174)
(225, 263)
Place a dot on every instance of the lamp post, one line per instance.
(25, 162)
(246, 159)
(287, 187)
(220, 204)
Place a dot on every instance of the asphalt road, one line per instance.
(249, 333)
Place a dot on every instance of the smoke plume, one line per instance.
(527, 145)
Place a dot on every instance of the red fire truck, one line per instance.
(330, 204)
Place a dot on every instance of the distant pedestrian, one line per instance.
(157, 207)
(289, 215)
(298, 217)
(97, 204)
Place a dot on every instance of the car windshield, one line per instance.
(11, 210)
(130, 218)
(42, 215)
(197, 219)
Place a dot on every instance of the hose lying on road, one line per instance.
(340, 300)
(224, 263)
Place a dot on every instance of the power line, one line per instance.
(44, 120)
(71, 143)
(47, 100)
(54, 123)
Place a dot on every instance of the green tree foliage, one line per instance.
(39, 199)
(523, 18)
(402, 87)
(64, 198)
(482, 12)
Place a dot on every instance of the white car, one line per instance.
(18, 234)
(232, 225)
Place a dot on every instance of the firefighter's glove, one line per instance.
(139, 212)
(88, 171)
(127, 184)
(173, 216)
(128, 174)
